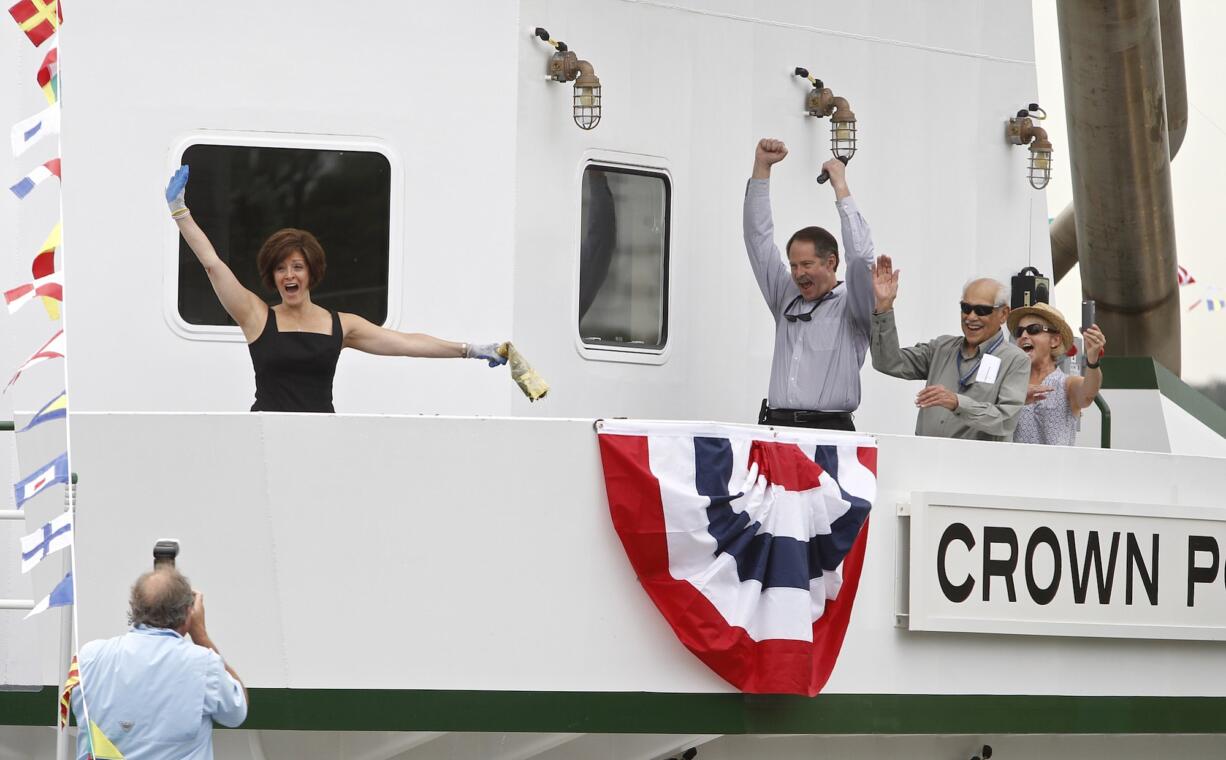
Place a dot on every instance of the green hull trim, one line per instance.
(637, 712)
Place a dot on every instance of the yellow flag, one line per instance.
(103, 748)
(52, 306)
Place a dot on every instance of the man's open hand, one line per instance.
(885, 284)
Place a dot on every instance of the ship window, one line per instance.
(623, 267)
(239, 195)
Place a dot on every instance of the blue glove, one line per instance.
(175, 190)
(487, 351)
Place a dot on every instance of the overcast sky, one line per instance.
(1199, 174)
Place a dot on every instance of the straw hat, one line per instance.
(1048, 314)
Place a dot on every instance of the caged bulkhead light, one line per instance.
(821, 102)
(565, 66)
(1020, 130)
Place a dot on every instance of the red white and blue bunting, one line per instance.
(749, 540)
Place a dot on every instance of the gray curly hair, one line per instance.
(161, 599)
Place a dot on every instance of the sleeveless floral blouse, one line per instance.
(1051, 420)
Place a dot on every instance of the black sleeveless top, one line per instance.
(294, 370)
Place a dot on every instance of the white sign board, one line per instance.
(991, 564)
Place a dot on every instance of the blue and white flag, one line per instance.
(55, 471)
(47, 540)
(60, 596)
(35, 178)
(29, 131)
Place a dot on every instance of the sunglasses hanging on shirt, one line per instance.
(808, 315)
(803, 317)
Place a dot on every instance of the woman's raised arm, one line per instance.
(243, 306)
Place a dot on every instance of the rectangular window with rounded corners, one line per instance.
(623, 258)
(240, 194)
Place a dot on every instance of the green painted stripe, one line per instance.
(631, 712)
(1129, 373)
(28, 708)
(1143, 373)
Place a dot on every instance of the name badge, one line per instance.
(989, 367)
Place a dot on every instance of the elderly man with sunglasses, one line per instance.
(821, 324)
(976, 382)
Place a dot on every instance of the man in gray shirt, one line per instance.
(821, 324)
(976, 382)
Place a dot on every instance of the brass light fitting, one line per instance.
(565, 66)
(1020, 130)
(821, 102)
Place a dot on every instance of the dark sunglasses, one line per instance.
(1032, 330)
(808, 315)
(980, 309)
(805, 317)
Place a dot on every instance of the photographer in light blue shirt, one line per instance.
(153, 692)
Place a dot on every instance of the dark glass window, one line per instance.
(239, 195)
(623, 268)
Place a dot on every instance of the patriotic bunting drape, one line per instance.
(749, 541)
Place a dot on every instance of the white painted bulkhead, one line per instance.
(391, 567)
(488, 198)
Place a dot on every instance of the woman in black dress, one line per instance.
(295, 344)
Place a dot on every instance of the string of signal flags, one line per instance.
(1213, 297)
(39, 21)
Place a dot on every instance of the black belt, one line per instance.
(767, 414)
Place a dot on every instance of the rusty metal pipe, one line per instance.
(1173, 74)
(1114, 95)
(1063, 228)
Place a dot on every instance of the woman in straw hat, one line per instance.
(1054, 400)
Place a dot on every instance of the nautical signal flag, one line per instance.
(55, 471)
(51, 286)
(52, 349)
(48, 75)
(1183, 276)
(100, 745)
(36, 178)
(1212, 300)
(53, 536)
(31, 130)
(39, 19)
(55, 409)
(73, 680)
(44, 261)
(750, 543)
(44, 266)
(60, 596)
